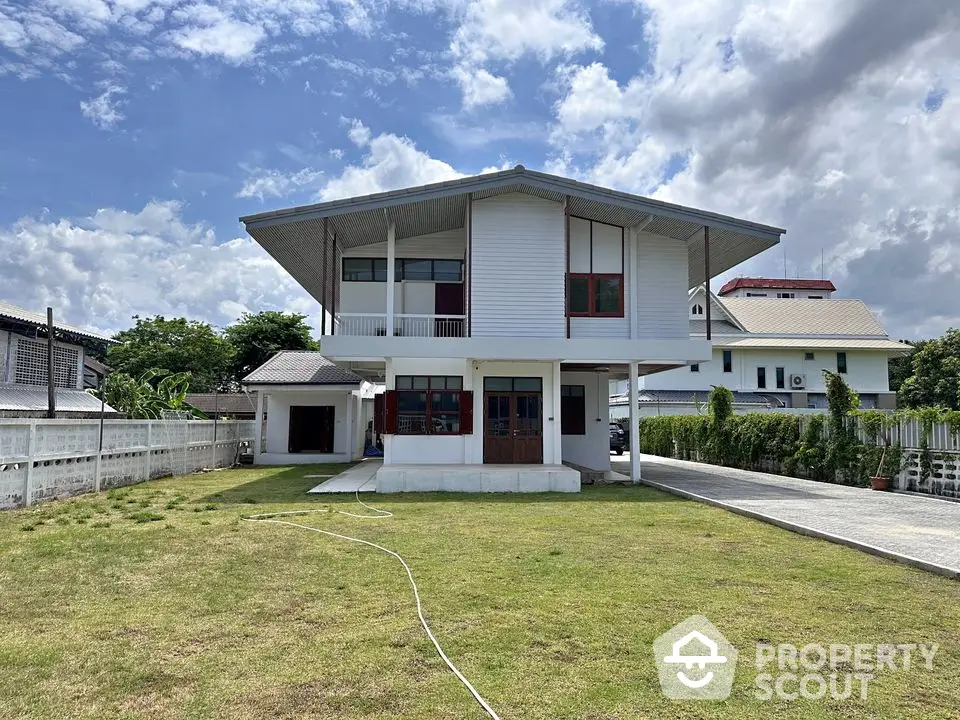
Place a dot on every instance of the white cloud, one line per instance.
(104, 110)
(503, 31)
(275, 183)
(211, 32)
(390, 162)
(479, 87)
(99, 270)
(810, 116)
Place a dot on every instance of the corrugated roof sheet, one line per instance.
(807, 317)
(776, 284)
(20, 314)
(301, 367)
(32, 397)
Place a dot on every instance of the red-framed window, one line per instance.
(426, 405)
(595, 295)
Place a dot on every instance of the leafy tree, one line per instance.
(176, 345)
(139, 398)
(900, 368)
(257, 337)
(935, 376)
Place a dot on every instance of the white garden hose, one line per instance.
(381, 514)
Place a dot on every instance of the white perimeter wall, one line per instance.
(346, 434)
(468, 449)
(591, 450)
(519, 268)
(866, 371)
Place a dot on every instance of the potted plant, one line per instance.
(879, 481)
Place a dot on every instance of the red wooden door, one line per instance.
(513, 428)
(448, 300)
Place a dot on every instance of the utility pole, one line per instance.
(51, 388)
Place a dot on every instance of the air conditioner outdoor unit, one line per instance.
(798, 382)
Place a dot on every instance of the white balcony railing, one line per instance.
(375, 324)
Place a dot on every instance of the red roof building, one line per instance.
(744, 283)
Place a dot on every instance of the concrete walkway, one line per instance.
(924, 532)
(361, 477)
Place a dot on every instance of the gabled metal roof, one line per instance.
(301, 367)
(295, 236)
(33, 397)
(37, 320)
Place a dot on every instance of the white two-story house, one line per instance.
(772, 340)
(496, 308)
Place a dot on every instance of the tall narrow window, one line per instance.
(696, 310)
(781, 379)
(761, 378)
(728, 361)
(573, 410)
(595, 285)
(841, 362)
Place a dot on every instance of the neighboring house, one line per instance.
(772, 352)
(315, 410)
(495, 309)
(233, 406)
(785, 289)
(23, 365)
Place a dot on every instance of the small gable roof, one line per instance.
(301, 367)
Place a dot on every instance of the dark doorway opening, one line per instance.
(311, 429)
(448, 300)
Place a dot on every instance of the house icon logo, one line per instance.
(695, 661)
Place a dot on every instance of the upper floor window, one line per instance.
(697, 309)
(761, 378)
(814, 297)
(595, 269)
(595, 295)
(786, 295)
(809, 356)
(841, 362)
(695, 367)
(727, 361)
(375, 270)
(750, 294)
(781, 379)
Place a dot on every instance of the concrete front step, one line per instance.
(477, 478)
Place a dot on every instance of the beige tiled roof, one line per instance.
(805, 317)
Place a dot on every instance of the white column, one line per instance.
(557, 428)
(391, 273)
(258, 427)
(351, 438)
(634, 423)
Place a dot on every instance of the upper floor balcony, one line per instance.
(404, 325)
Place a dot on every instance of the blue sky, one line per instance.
(137, 131)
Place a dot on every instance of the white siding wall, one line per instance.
(518, 268)
(591, 450)
(866, 371)
(660, 291)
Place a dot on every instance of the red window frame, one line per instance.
(591, 279)
(465, 409)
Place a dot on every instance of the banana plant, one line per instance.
(140, 399)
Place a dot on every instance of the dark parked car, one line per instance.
(618, 439)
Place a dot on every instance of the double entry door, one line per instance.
(513, 420)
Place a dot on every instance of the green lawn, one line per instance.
(156, 601)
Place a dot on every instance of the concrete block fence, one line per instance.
(47, 459)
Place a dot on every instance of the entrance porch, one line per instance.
(477, 478)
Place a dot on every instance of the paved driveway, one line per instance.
(922, 531)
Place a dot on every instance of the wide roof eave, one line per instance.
(503, 178)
